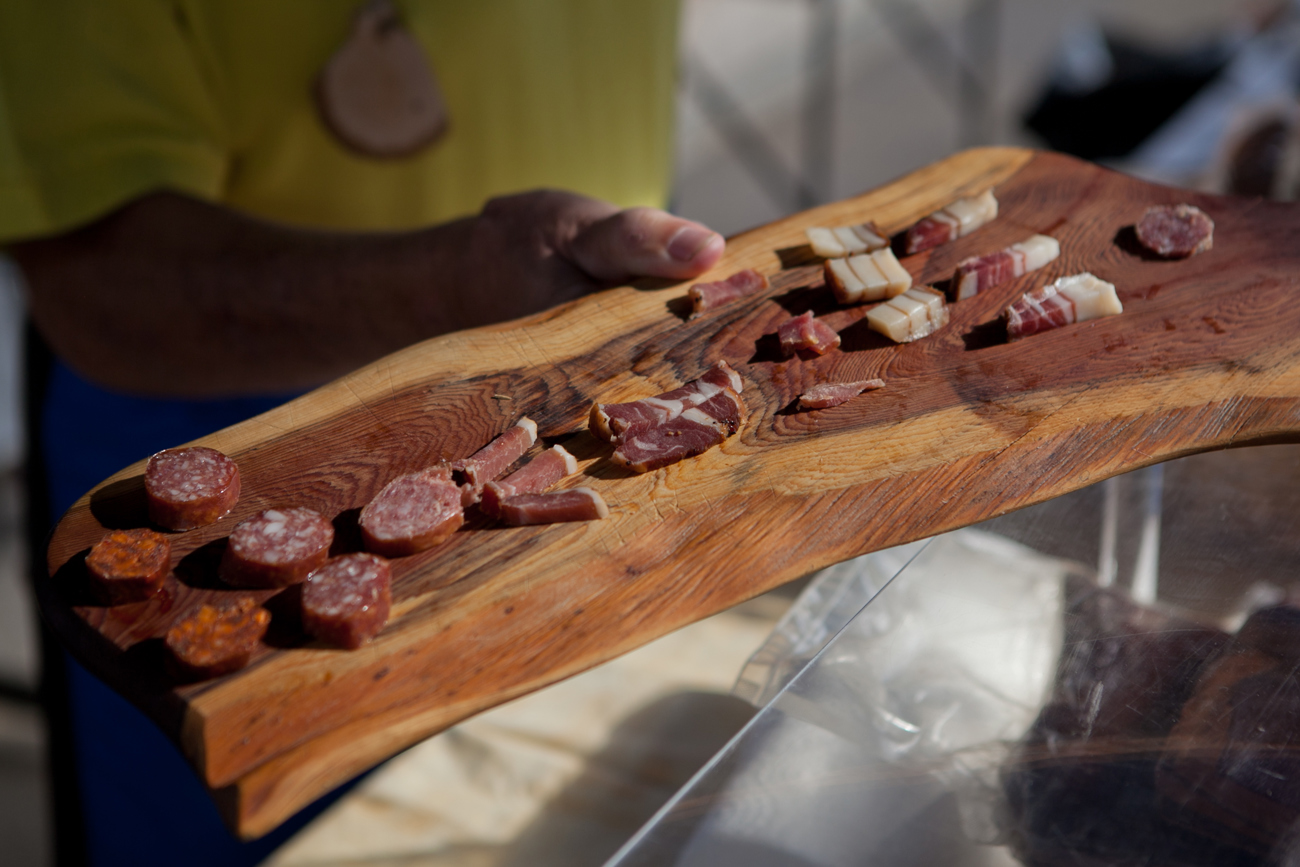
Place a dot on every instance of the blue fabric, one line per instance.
(143, 805)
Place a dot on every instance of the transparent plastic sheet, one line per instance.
(997, 702)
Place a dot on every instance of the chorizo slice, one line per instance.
(412, 513)
(346, 602)
(190, 487)
(216, 639)
(129, 565)
(276, 548)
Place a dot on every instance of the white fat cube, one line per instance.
(824, 243)
(974, 212)
(1093, 297)
(917, 313)
(847, 286)
(849, 240)
(891, 322)
(876, 283)
(871, 239)
(893, 271)
(1038, 250)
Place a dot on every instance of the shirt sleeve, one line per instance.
(101, 101)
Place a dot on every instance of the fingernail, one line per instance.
(689, 242)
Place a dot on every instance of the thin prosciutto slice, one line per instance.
(536, 476)
(657, 431)
(706, 296)
(487, 463)
(574, 504)
(978, 273)
(806, 331)
(951, 222)
(1077, 298)
(830, 394)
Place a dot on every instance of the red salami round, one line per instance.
(276, 548)
(190, 487)
(346, 601)
(129, 565)
(1176, 231)
(216, 639)
(412, 513)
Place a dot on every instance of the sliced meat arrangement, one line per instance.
(129, 565)
(574, 504)
(419, 510)
(917, 313)
(806, 331)
(830, 394)
(216, 639)
(952, 222)
(706, 296)
(190, 487)
(978, 273)
(491, 460)
(1175, 231)
(533, 477)
(657, 431)
(871, 277)
(346, 602)
(846, 240)
(1076, 298)
(276, 548)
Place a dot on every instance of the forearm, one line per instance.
(172, 296)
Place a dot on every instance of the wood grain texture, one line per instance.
(1206, 355)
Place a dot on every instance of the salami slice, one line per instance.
(217, 640)
(346, 601)
(129, 565)
(412, 513)
(190, 487)
(276, 548)
(1176, 231)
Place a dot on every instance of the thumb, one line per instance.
(645, 242)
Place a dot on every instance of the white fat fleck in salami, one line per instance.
(276, 548)
(190, 487)
(412, 513)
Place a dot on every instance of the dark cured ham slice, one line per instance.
(216, 640)
(687, 421)
(533, 477)
(806, 331)
(575, 504)
(1176, 231)
(412, 513)
(346, 601)
(129, 565)
(830, 394)
(491, 460)
(276, 548)
(706, 296)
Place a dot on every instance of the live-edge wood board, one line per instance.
(1206, 355)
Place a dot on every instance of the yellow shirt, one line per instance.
(104, 100)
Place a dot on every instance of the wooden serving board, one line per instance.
(1206, 355)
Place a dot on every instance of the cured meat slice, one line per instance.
(830, 394)
(1176, 231)
(1076, 298)
(129, 565)
(706, 296)
(190, 487)
(951, 222)
(276, 548)
(917, 313)
(978, 273)
(533, 477)
(610, 421)
(806, 331)
(871, 277)
(216, 639)
(413, 513)
(491, 461)
(575, 504)
(846, 240)
(347, 601)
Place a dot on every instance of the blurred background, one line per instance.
(782, 104)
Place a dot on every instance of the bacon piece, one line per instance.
(575, 504)
(533, 477)
(872, 277)
(917, 313)
(412, 513)
(129, 565)
(276, 548)
(978, 273)
(1076, 298)
(846, 240)
(190, 487)
(830, 394)
(610, 421)
(706, 296)
(1176, 231)
(347, 601)
(491, 460)
(216, 640)
(951, 222)
(806, 331)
